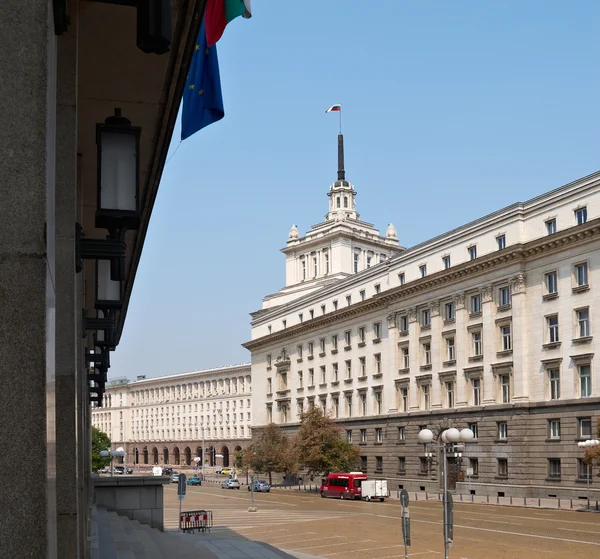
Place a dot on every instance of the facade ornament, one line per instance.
(412, 314)
(459, 300)
(391, 232)
(391, 320)
(294, 234)
(517, 284)
(435, 308)
(486, 293)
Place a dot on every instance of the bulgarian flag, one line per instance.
(219, 13)
(334, 108)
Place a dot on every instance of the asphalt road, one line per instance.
(306, 523)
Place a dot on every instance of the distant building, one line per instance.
(489, 326)
(162, 420)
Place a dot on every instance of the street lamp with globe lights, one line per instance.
(590, 443)
(449, 438)
(112, 454)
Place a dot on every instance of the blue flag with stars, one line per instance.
(202, 98)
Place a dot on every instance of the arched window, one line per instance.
(338, 201)
(345, 201)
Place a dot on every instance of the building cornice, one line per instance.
(514, 254)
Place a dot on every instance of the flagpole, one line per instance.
(340, 118)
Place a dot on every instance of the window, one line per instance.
(401, 433)
(401, 465)
(427, 354)
(363, 294)
(335, 372)
(348, 300)
(348, 369)
(345, 201)
(504, 296)
(425, 391)
(323, 308)
(585, 427)
(423, 465)
(300, 379)
(335, 305)
(323, 375)
(554, 428)
(334, 342)
(581, 274)
(551, 283)
(269, 361)
(581, 215)
(369, 258)
(356, 263)
(284, 323)
(504, 381)
(347, 337)
(299, 351)
(311, 377)
(554, 468)
(379, 435)
(337, 202)
(551, 226)
(311, 312)
(475, 304)
(401, 278)
(269, 414)
(377, 288)
(502, 430)
(423, 270)
(502, 467)
(378, 402)
(585, 381)
(349, 435)
(404, 323)
(501, 242)
(505, 338)
(476, 391)
(303, 262)
(377, 330)
(363, 366)
(361, 334)
(336, 406)
(403, 399)
(554, 384)
(472, 252)
(363, 463)
(362, 397)
(475, 428)
(349, 405)
(315, 266)
(552, 326)
(583, 322)
(363, 435)
(474, 465)
(584, 471)
(405, 358)
(449, 311)
(425, 318)
(322, 345)
(378, 463)
(311, 349)
(269, 386)
(450, 350)
(300, 317)
(446, 261)
(477, 344)
(326, 262)
(377, 358)
(450, 394)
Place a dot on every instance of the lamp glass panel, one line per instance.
(118, 171)
(108, 290)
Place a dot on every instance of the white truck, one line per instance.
(374, 489)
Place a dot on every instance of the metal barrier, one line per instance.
(193, 520)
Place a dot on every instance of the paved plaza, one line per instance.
(307, 526)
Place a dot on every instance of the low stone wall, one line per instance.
(136, 497)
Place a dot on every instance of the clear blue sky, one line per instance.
(451, 111)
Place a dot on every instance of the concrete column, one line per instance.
(520, 336)
(69, 521)
(461, 348)
(489, 351)
(437, 389)
(27, 278)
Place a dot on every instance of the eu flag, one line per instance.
(202, 99)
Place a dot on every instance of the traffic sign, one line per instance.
(181, 487)
(405, 520)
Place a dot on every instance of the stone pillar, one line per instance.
(520, 336)
(489, 351)
(390, 363)
(461, 349)
(27, 279)
(69, 521)
(437, 388)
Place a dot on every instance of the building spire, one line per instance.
(341, 172)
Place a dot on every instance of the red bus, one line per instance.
(343, 486)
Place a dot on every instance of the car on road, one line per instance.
(227, 471)
(123, 470)
(194, 481)
(175, 477)
(259, 486)
(230, 484)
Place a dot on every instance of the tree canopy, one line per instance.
(272, 452)
(100, 441)
(592, 455)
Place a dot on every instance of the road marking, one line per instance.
(414, 555)
(336, 543)
(366, 549)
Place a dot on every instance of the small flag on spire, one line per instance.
(334, 108)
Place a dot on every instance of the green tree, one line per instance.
(240, 461)
(320, 445)
(271, 452)
(592, 454)
(100, 441)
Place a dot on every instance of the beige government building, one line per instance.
(164, 420)
(490, 326)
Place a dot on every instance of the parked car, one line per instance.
(167, 471)
(194, 481)
(218, 469)
(230, 484)
(123, 470)
(227, 471)
(175, 477)
(105, 470)
(259, 486)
